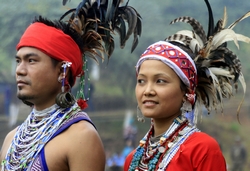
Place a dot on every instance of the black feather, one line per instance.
(64, 2)
(210, 20)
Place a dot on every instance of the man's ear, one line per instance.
(63, 73)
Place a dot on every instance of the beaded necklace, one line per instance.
(33, 134)
(183, 135)
(150, 158)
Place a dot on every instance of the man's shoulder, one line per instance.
(11, 133)
(9, 136)
(6, 143)
(81, 129)
(82, 125)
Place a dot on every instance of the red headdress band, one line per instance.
(54, 43)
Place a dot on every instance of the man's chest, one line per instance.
(54, 155)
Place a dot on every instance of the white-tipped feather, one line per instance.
(193, 35)
(240, 19)
(186, 33)
(243, 82)
(224, 23)
(221, 72)
(201, 44)
(215, 79)
(194, 45)
(224, 36)
(216, 88)
(92, 2)
(227, 89)
(242, 38)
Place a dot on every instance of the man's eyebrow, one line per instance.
(27, 55)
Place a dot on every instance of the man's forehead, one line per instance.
(29, 51)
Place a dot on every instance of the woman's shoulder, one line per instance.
(200, 151)
(203, 141)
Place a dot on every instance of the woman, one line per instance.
(175, 78)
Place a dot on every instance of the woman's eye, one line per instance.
(161, 81)
(140, 81)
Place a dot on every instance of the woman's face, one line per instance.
(158, 91)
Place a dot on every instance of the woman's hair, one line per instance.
(183, 86)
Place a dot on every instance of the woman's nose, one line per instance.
(149, 90)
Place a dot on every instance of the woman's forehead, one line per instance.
(155, 67)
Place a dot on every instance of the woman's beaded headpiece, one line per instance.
(175, 58)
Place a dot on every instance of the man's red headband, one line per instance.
(54, 43)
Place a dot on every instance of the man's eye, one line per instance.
(31, 60)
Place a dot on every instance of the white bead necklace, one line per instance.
(33, 134)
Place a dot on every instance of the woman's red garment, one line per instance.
(199, 152)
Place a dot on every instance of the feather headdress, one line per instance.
(96, 21)
(218, 68)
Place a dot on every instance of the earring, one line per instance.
(140, 116)
(187, 111)
(186, 106)
(65, 99)
(62, 80)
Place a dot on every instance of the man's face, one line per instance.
(37, 77)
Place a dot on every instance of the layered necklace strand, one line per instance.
(167, 157)
(33, 134)
(149, 156)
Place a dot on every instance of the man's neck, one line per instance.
(44, 112)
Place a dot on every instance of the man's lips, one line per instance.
(21, 82)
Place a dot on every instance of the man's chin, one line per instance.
(25, 98)
(27, 103)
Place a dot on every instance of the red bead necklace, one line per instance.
(166, 143)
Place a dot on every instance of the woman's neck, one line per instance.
(162, 125)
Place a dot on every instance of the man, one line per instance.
(57, 135)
